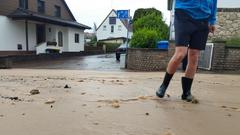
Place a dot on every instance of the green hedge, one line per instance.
(144, 38)
(233, 42)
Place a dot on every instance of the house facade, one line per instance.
(39, 26)
(228, 19)
(113, 28)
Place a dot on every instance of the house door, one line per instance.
(60, 39)
(41, 33)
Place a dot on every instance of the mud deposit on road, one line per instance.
(72, 102)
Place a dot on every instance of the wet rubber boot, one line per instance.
(186, 87)
(162, 89)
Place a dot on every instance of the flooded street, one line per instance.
(105, 62)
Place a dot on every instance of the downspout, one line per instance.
(26, 30)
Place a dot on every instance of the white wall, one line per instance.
(13, 33)
(105, 34)
(32, 37)
(75, 47)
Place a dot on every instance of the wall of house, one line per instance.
(75, 47)
(9, 6)
(13, 33)
(50, 8)
(32, 36)
(228, 24)
(106, 33)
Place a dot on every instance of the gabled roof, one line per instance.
(22, 14)
(69, 11)
(123, 21)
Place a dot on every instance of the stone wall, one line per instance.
(225, 58)
(228, 23)
(148, 59)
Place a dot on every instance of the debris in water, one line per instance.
(195, 101)
(67, 87)
(168, 96)
(147, 114)
(50, 101)
(1, 116)
(142, 97)
(95, 123)
(115, 104)
(224, 106)
(34, 92)
(83, 93)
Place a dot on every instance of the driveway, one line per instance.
(105, 62)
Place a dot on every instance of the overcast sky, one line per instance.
(89, 11)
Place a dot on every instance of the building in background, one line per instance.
(39, 26)
(113, 29)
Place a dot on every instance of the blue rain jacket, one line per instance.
(199, 9)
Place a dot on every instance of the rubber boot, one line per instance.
(162, 89)
(186, 87)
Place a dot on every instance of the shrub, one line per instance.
(152, 21)
(144, 38)
(148, 28)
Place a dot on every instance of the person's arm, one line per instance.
(212, 20)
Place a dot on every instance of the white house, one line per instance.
(114, 28)
(39, 26)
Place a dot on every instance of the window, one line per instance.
(57, 12)
(119, 28)
(19, 46)
(112, 20)
(104, 27)
(112, 29)
(60, 39)
(23, 4)
(76, 38)
(41, 6)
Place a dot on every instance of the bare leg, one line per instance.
(176, 60)
(193, 55)
(189, 74)
(180, 53)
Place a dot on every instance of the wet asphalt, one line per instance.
(105, 62)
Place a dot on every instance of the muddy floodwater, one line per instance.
(74, 102)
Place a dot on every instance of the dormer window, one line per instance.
(23, 4)
(41, 6)
(112, 20)
(57, 12)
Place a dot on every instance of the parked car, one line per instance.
(121, 50)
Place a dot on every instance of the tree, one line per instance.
(149, 21)
(152, 22)
(141, 12)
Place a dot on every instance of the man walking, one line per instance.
(193, 21)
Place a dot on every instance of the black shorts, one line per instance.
(190, 32)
